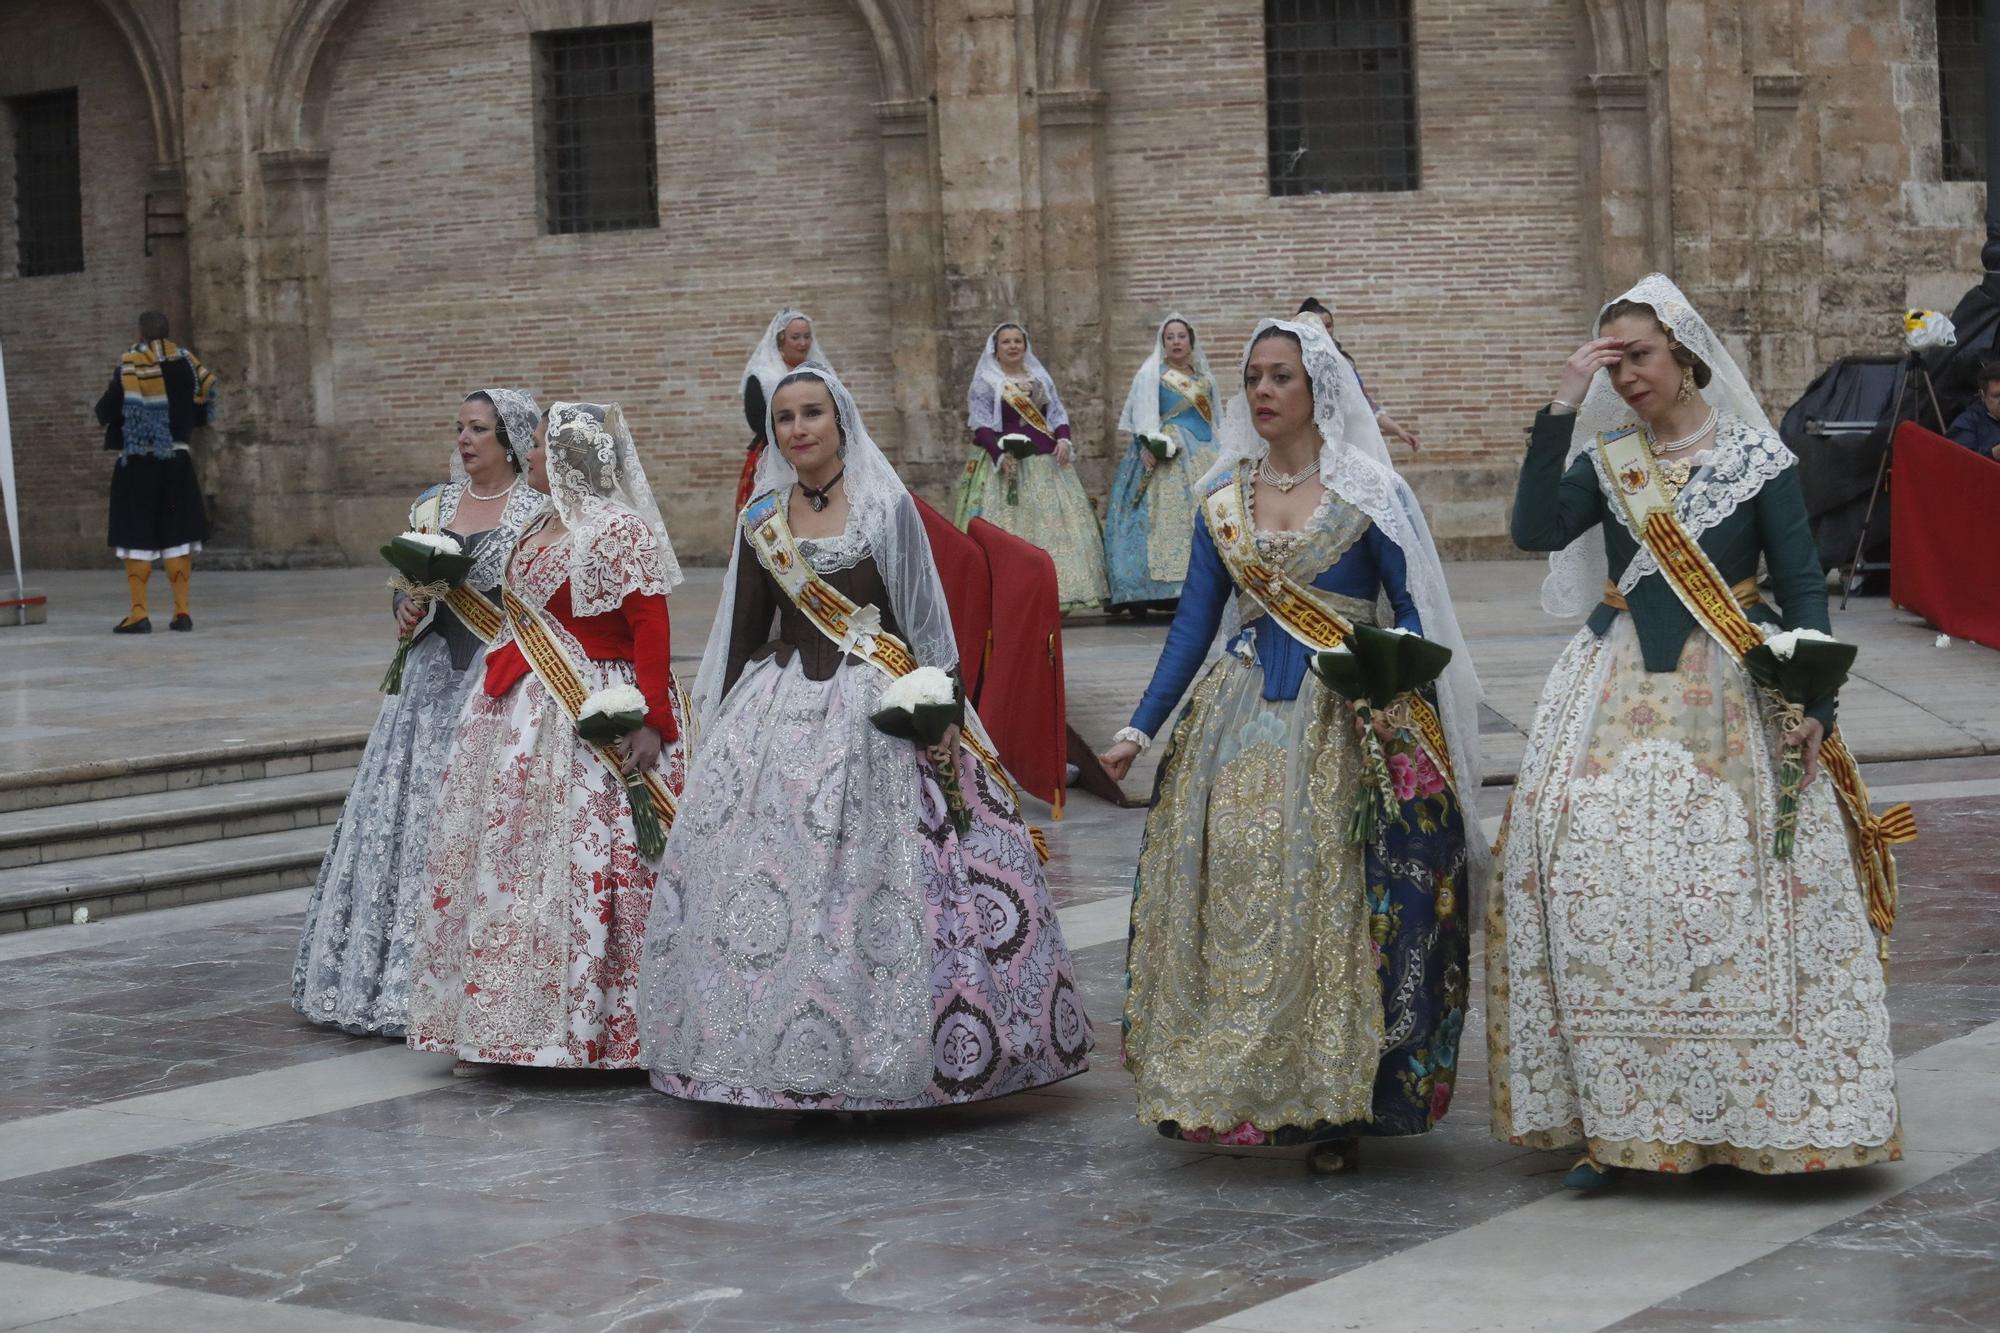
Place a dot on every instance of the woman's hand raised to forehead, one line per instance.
(1583, 364)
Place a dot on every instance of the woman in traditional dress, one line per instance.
(789, 341)
(1036, 497)
(1663, 991)
(823, 937)
(1392, 429)
(353, 965)
(528, 942)
(1149, 522)
(1286, 984)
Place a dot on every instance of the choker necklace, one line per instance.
(1284, 481)
(817, 496)
(497, 495)
(1674, 446)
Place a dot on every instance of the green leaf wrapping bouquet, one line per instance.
(607, 717)
(1372, 670)
(1017, 447)
(923, 706)
(427, 565)
(1801, 668)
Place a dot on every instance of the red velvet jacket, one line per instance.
(637, 632)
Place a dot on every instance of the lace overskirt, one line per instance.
(1659, 986)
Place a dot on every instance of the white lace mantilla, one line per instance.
(1733, 470)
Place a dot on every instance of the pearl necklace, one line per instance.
(1675, 446)
(497, 495)
(1284, 481)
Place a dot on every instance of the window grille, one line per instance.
(48, 184)
(1340, 96)
(1962, 89)
(599, 170)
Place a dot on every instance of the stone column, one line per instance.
(251, 311)
(1072, 270)
(919, 354)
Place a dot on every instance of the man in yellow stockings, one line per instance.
(158, 395)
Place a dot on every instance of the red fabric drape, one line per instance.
(968, 591)
(1944, 542)
(1021, 699)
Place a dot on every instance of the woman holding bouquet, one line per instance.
(1288, 983)
(1021, 476)
(353, 964)
(1171, 417)
(1664, 990)
(843, 924)
(528, 944)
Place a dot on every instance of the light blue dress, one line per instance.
(1149, 522)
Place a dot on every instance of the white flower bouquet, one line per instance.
(1800, 668)
(427, 565)
(1017, 447)
(923, 706)
(607, 717)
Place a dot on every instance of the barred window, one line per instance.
(1962, 89)
(597, 131)
(1340, 95)
(48, 184)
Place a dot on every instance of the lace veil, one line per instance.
(618, 542)
(982, 400)
(1354, 467)
(882, 522)
(767, 364)
(1748, 448)
(1142, 404)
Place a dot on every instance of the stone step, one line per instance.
(110, 825)
(43, 895)
(119, 778)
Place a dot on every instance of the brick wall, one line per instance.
(63, 332)
(1458, 300)
(443, 282)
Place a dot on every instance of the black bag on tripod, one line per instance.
(1840, 429)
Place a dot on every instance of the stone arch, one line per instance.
(158, 72)
(1066, 45)
(297, 86)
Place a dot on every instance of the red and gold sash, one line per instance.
(1024, 407)
(855, 629)
(1296, 606)
(1714, 605)
(1192, 388)
(559, 675)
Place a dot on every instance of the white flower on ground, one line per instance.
(436, 541)
(613, 700)
(1944, 640)
(926, 686)
(80, 917)
(1782, 645)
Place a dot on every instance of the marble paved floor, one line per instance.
(177, 1150)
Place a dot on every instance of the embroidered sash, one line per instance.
(1024, 407)
(559, 676)
(855, 629)
(1191, 388)
(1713, 603)
(479, 615)
(1297, 607)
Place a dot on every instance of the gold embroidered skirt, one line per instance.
(1253, 993)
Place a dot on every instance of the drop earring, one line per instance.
(1687, 383)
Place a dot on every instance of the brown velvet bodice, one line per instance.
(758, 598)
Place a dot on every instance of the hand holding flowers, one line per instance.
(613, 715)
(926, 706)
(1013, 448)
(428, 565)
(1799, 669)
(1375, 669)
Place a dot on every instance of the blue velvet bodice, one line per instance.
(1372, 564)
(1178, 411)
